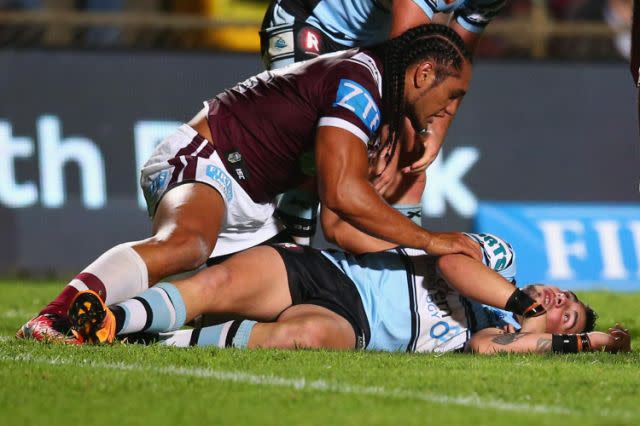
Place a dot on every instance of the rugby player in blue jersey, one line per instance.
(296, 30)
(291, 296)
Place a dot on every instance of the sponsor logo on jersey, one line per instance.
(358, 100)
(310, 41)
(234, 157)
(220, 176)
(237, 166)
(280, 43)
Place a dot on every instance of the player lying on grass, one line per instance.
(290, 296)
(210, 186)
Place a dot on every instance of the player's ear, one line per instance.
(424, 74)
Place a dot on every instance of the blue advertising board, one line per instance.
(572, 245)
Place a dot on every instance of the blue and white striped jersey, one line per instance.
(365, 22)
(410, 307)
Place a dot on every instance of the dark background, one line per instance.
(543, 132)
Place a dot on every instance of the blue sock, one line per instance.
(234, 334)
(160, 308)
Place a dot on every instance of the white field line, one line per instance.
(13, 313)
(474, 401)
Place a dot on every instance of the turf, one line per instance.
(134, 384)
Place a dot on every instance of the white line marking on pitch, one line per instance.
(317, 385)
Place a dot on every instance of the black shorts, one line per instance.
(314, 280)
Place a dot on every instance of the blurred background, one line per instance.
(544, 152)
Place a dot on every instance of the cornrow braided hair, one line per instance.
(432, 41)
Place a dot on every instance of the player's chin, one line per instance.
(531, 291)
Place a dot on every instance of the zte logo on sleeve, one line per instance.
(357, 99)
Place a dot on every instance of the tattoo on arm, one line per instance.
(507, 338)
(543, 345)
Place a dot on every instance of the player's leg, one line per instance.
(301, 326)
(185, 229)
(187, 219)
(305, 326)
(251, 284)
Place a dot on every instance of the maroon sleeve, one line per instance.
(353, 100)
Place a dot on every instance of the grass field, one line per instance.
(44, 384)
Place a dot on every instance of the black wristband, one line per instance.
(570, 343)
(521, 303)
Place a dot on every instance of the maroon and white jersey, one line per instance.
(264, 128)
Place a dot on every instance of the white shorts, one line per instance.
(185, 156)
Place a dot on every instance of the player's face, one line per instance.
(565, 313)
(438, 100)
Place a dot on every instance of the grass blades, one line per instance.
(135, 384)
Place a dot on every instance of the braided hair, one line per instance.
(437, 42)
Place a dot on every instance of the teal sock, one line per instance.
(234, 334)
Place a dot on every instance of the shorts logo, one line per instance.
(310, 41)
(358, 100)
(220, 176)
(158, 183)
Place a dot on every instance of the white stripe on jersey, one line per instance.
(368, 62)
(344, 124)
(444, 322)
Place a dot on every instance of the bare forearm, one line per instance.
(516, 342)
(362, 208)
(472, 279)
(348, 237)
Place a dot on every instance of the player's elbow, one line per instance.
(447, 264)
(337, 200)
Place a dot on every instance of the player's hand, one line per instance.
(442, 243)
(384, 170)
(508, 328)
(618, 339)
(428, 145)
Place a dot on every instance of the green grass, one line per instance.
(45, 384)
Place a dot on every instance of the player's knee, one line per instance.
(211, 283)
(189, 249)
(302, 334)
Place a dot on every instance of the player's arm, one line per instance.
(348, 237)
(494, 340)
(474, 280)
(343, 186)
(406, 14)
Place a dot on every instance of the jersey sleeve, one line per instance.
(429, 7)
(354, 100)
(475, 15)
(497, 254)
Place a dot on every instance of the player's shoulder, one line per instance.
(363, 66)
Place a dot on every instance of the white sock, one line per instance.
(120, 271)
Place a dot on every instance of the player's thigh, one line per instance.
(190, 208)
(250, 284)
(311, 326)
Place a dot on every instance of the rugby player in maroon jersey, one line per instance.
(210, 185)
